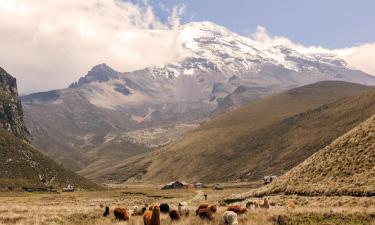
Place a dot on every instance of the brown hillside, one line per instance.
(345, 167)
(23, 166)
(237, 144)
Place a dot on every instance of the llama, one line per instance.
(121, 214)
(152, 217)
(230, 218)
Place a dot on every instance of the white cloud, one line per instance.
(360, 57)
(48, 44)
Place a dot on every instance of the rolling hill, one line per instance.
(344, 167)
(218, 71)
(267, 137)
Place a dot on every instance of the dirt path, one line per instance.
(198, 196)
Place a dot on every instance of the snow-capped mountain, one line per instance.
(218, 71)
(216, 63)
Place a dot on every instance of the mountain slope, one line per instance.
(22, 165)
(218, 72)
(266, 137)
(344, 167)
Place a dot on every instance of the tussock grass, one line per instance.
(345, 167)
(84, 208)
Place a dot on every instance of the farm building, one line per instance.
(218, 187)
(199, 185)
(176, 185)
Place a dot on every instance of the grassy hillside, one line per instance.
(345, 167)
(23, 166)
(238, 145)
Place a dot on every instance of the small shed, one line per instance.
(188, 186)
(174, 185)
(199, 185)
(218, 187)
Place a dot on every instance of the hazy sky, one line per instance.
(48, 44)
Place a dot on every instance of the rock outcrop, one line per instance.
(11, 114)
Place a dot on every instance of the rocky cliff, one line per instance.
(11, 115)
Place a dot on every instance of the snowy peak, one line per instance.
(99, 73)
(230, 53)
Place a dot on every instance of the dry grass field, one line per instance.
(85, 207)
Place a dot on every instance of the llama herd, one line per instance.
(151, 214)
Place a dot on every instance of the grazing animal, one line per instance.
(230, 218)
(205, 214)
(182, 204)
(174, 215)
(237, 209)
(212, 208)
(164, 208)
(106, 211)
(138, 211)
(183, 210)
(291, 205)
(121, 214)
(265, 204)
(144, 208)
(250, 205)
(152, 217)
(202, 206)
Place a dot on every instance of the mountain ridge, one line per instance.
(220, 71)
(237, 146)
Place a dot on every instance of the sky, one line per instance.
(50, 44)
(327, 23)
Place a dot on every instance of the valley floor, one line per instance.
(86, 207)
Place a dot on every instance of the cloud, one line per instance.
(361, 57)
(49, 44)
(358, 57)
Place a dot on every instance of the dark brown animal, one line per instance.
(152, 217)
(164, 208)
(213, 208)
(205, 214)
(237, 209)
(121, 214)
(202, 206)
(174, 215)
(106, 211)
